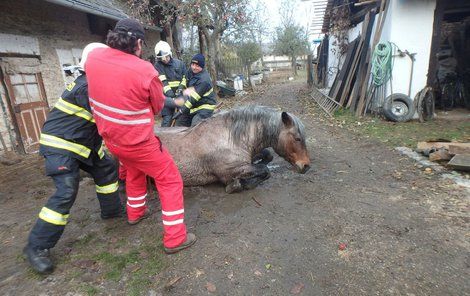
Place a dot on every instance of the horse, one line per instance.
(231, 147)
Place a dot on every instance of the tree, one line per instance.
(291, 39)
(249, 52)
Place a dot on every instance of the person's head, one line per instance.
(163, 52)
(197, 63)
(127, 36)
(86, 50)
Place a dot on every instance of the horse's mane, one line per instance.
(265, 121)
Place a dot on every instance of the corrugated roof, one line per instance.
(104, 8)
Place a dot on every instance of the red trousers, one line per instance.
(152, 159)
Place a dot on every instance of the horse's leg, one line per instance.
(264, 157)
(250, 178)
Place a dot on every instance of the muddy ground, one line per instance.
(404, 231)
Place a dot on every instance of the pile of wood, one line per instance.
(350, 87)
(455, 154)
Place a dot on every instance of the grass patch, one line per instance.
(89, 289)
(140, 265)
(404, 133)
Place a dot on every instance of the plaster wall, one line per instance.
(409, 25)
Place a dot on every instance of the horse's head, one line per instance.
(291, 143)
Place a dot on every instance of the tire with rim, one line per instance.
(398, 107)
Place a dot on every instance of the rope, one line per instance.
(382, 63)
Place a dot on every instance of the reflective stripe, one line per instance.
(119, 111)
(166, 88)
(137, 198)
(53, 217)
(169, 223)
(136, 206)
(72, 109)
(162, 77)
(208, 92)
(174, 83)
(107, 189)
(183, 81)
(101, 151)
(70, 86)
(173, 213)
(188, 104)
(205, 106)
(59, 143)
(120, 121)
(195, 95)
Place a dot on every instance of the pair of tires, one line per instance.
(398, 107)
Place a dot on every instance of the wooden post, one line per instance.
(309, 71)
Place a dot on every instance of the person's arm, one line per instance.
(194, 94)
(157, 98)
(166, 87)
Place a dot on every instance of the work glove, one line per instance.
(170, 93)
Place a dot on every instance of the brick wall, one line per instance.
(59, 33)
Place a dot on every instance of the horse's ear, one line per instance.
(286, 119)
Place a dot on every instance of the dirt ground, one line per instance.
(363, 221)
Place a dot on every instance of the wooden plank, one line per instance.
(363, 62)
(364, 99)
(340, 77)
(352, 72)
(459, 149)
(460, 162)
(438, 145)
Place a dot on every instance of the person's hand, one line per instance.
(188, 91)
(179, 101)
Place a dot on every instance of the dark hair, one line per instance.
(122, 42)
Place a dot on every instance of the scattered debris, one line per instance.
(342, 246)
(253, 198)
(211, 287)
(172, 283)
(297, 288)
(9, 159)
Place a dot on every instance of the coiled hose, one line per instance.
(382, 63)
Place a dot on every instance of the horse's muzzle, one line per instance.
(302, 168)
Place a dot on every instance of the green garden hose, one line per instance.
(382, 63)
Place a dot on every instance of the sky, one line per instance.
(301, 13)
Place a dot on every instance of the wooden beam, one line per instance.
(460, 162)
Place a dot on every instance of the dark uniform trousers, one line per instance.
(65, 171)
(192, 119)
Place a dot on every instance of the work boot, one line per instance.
(190, 240)
(119, 214)
(39, 259)
(144, 216)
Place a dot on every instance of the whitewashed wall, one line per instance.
(409, 24)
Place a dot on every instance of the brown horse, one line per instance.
(230, 147)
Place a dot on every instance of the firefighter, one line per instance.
(172, 74)
(69, 142)
(126, 94)
(200, 95)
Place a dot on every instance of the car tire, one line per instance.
(398, 107)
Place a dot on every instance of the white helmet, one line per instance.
(86, 50)
(162, 49)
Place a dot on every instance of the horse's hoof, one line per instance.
(234, 186)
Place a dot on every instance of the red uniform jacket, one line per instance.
(125, 94)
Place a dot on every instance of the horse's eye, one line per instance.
(298, 139)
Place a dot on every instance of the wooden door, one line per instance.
(28, 100)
